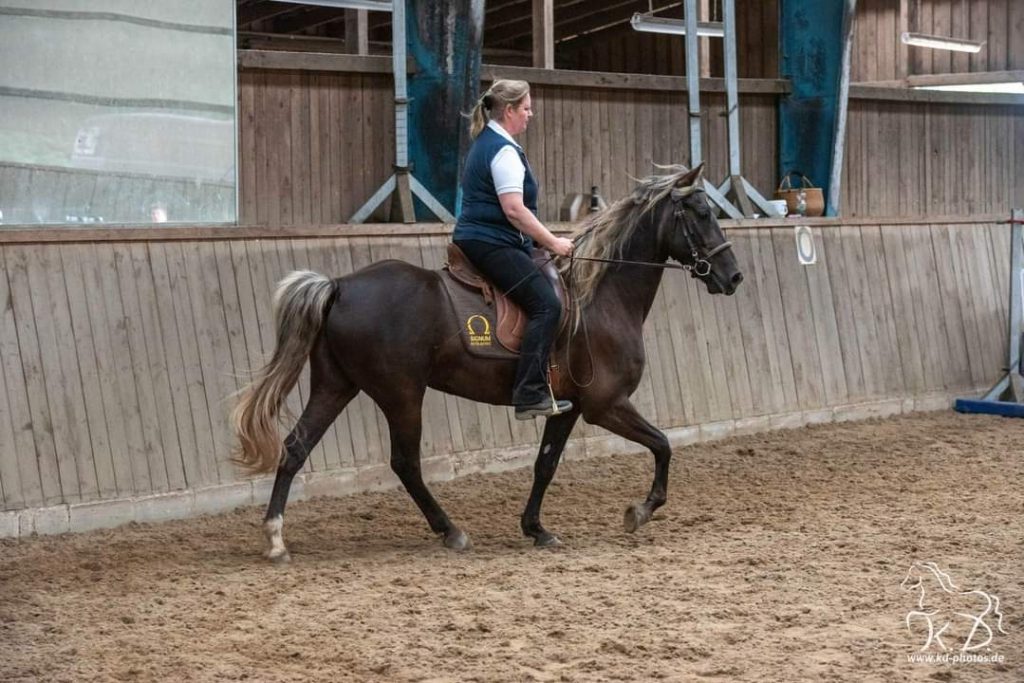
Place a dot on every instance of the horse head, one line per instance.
(689, 233)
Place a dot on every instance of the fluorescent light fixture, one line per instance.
(942, 42)
(676, 27)
(1011, 88)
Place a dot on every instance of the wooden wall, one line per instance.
(315, 146)
(932, 159)
(880, 56)
(117, 358)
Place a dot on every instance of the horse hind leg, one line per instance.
(323, 406)
(406, 425)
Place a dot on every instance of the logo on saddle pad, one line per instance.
(481, 337)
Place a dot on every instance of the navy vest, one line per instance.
(481, 217)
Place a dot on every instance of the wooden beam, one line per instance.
(500, 15)
(544, 34)
(312, 61)
(860, 91)
(977, 78)
(357, 31)
(618, 81)
(150, 233)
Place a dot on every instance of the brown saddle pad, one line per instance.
(491, 324)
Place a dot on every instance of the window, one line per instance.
(117, 111)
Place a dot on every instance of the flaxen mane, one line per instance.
(605, 234)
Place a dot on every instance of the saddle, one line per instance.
(491, 324)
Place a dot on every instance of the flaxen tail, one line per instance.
(300, 304)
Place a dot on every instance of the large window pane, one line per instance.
(117, 111)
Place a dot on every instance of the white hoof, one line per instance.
(276, 552)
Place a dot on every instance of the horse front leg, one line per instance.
(623, 419)
(556, 433)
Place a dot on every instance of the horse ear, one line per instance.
(692, 177)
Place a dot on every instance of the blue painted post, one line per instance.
(812, 36)
(444, 39)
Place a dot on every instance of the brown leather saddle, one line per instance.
(491, 324)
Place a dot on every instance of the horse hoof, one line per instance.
(546, 540)
(633, 518)
(456, 539)
(278, 556)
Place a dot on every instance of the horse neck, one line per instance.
(634, 286)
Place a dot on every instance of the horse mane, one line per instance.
(605, 234)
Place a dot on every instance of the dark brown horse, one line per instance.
(337, 324)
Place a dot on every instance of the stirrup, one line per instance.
(543, 409)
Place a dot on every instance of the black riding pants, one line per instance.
(514, 272)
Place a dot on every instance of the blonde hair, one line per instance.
(501, 94)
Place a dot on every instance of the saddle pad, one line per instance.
(491, 325)
(478, 321)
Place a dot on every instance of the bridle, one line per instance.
(701, 266)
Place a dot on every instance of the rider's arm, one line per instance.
(524, 221)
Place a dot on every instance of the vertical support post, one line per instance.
(843, 98)
(705, 43)
(401, 203)
(544, 34)
(732, 99)
(1016, 301)
(398, 66)
(357, 32)
(693, 82)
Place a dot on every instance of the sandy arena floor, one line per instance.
(779, 557)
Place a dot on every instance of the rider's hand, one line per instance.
(561, 246)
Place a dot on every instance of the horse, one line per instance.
(944, 605)
(337, 325)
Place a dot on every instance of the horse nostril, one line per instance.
(737, 278)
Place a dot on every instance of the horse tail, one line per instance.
(301, 302)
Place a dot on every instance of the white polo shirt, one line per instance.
(507, 168)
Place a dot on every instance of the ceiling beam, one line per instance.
(570, 21)
(259, 11)
(307, 18)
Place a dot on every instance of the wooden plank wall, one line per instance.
(878, 54)
(315, 146)
(932, 159)
(116, 359)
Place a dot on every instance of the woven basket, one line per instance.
(813, 197)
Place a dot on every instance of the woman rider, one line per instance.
(497, 228)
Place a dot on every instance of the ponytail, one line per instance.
(478, 120)
(501, 94)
